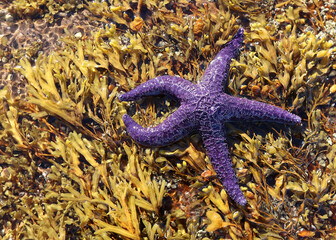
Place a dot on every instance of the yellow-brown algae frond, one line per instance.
(141, 177)
(9, 120)
(290, 62)
(137, 24)
(245, 6)
(316, 188)
(36, 8)
(190, 154)
(112, 12)
(49, 88)
(25, 8)
(131, 190)
(216, 222)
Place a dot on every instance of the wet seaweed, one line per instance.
(69, 170)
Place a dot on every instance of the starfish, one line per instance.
(204, 108)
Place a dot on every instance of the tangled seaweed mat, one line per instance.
(68, 169)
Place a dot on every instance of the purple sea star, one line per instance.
(204, 109)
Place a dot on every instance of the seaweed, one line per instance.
(69, 170)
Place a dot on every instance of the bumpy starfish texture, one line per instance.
(204, 108)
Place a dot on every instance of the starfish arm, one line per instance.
(175, 127)
(213, 136)
(216, 74)
(244, 109)
(171, 85)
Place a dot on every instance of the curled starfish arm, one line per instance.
(213, 136)
(219, 67)
(175, 127)
(245, 109)
(171, 85)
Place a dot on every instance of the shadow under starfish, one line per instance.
(204, 109)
